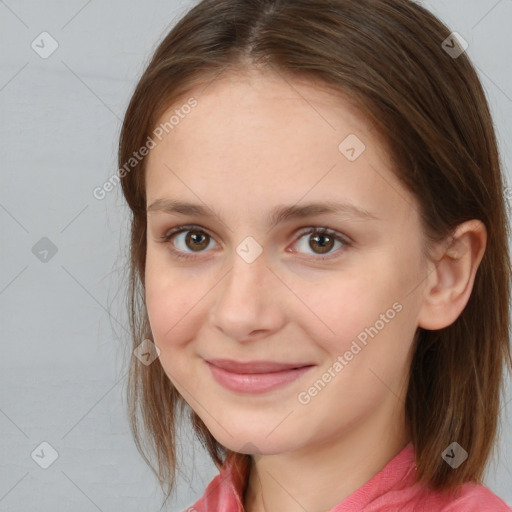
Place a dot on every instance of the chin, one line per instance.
(253, 442)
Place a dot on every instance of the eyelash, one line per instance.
(312, 230)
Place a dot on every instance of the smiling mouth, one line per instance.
(251, 367)
(256, 377)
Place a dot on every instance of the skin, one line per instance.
(256, 140)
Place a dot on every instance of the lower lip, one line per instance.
(255, 382)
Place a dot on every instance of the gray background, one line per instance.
(63, 324)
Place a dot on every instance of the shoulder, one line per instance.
(473, 497)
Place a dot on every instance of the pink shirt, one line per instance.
(390, 490)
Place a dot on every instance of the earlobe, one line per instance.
(451, 277)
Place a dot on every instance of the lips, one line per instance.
(256, 377)
(252, 367)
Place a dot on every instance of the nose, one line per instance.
(249, 302)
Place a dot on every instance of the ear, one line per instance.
(451, 276)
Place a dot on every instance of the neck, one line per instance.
(317, 478)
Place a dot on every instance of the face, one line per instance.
(336, 293)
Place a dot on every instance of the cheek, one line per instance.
(365, 348)
(369, 303)
(174, 311)
(171, 302)
(338, 310)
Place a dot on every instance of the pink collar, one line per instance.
(226, 491)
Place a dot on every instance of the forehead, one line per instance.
(253, 99)
(258, 137)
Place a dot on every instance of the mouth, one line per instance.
(255, 376)
(251, 367)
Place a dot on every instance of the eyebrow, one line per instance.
(277, 215)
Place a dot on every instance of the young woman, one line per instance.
(319, 257)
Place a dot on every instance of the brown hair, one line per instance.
(432, 113)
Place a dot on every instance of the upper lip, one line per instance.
(254, 366)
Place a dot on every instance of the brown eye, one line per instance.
(321, 243)
(184, 241)
(187, 241)
(196, 240)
